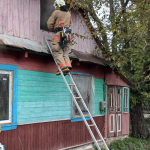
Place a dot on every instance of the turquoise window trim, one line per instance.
(129, 100)
(14, 104)
(123, 99)
(106, 98)
(80, 118)
(2, 146)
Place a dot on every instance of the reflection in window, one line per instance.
(111, 99)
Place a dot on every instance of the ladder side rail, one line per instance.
(89, 113)
(92, 135)
(53, 55)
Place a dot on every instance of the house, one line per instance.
(36, 109)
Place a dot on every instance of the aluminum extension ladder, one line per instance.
(78, 107)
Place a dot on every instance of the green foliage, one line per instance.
(128, 47)
(148, 123)
(129, 144)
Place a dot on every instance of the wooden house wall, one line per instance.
(125, 123)
(49, 136)
(21, 18)
(43, 96)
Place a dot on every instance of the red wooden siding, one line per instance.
(125, 123)
(46, 63)
(21, 18)
(113, 79)
(49, 136)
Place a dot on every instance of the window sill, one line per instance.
(79, 119)
(8, 127)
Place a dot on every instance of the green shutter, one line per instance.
(106, 98)
(122, 99)
(128, 100)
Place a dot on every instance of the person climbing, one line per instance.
(59, 22)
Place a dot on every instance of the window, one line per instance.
(83, 83)
(6, 82)
(8, 97)
(126, 95)
(2, 147)
(119, 99)
(111, 99)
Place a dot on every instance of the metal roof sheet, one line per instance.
(23, 43)
(90, 58)
(38, 47)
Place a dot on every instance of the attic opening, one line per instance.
(46, 10)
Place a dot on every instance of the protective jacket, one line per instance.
(59, 19)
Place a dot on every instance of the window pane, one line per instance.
(119, 99)
(111, 99)
(111, 91)
(84, 85)
(125, 100)
(4, 97)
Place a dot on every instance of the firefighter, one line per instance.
(59, 22)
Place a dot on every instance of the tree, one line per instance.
(123, 36)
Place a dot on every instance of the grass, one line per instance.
(131, 143)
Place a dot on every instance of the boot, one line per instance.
(70, 67)
(65, 71)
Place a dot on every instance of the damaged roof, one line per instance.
(90, 58)
(22, 43)
(41, 48)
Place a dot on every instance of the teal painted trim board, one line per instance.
(129, 100)
(97, 96)
(14, 104)
(123, 99)
(106, 98)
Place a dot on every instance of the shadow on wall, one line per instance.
(46, 10)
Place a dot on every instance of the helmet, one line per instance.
(59, 3)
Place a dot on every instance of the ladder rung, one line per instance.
(99, 140)
(91, 125)
(71, 84)
(77, 97)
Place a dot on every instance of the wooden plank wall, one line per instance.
(49, 136)
(38, 87)
(21, 18)
(125, 123)
(42, 97)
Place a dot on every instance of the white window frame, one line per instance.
(118, 123)
(112, 100)
(125, 108)
(10, 73)
(1, 146)
(112, 131)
